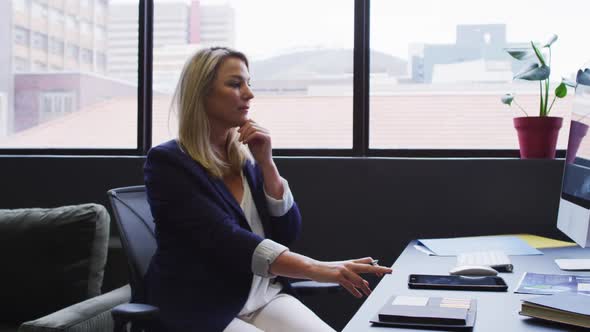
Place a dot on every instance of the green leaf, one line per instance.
(550, 40)
(539, 54)
(561, 90)
(507, 99)
(534, 72)
(520, 53)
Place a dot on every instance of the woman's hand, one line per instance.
(346, 273)
(258, 140)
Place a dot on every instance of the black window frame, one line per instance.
(361, 109)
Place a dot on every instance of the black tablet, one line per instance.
(487, 283)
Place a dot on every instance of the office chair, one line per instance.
(136, 227)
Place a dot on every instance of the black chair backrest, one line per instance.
(136, 228)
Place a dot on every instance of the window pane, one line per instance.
(56, 87)
(300, 61)
(439, 69)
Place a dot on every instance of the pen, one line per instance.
(374, 262)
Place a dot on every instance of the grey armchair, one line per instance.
(52, 270)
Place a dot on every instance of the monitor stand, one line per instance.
(573, 264)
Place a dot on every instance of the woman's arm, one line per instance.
(259, 142)
(290, 264)
(345, 273)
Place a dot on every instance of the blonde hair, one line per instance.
(196, 81)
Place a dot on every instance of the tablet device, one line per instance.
(456, 282)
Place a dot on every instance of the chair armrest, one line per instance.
(313, 287)
(93, 314)
(134, 312)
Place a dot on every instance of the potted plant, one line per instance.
(579, 129)
(537, 135)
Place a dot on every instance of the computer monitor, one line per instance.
(574, 207)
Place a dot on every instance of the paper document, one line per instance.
(548, 284)
(540, 242)
(511, 245)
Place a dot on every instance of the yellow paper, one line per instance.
(540, 242)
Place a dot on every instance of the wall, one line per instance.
(351, 207)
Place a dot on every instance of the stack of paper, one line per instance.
(423, 311)
(567, 308)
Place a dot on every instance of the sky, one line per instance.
(268, 27)
(265, 28)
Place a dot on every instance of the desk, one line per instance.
(496, 311)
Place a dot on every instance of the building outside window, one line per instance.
(86, 55)
(85, 27)
(438, 69)
(3, 114)
(72, 51)
(39, 41)
(302, 72)
(39, 66)
(56, 46)
(21, 36)
(39, 10)
(100, 33)
(56, 16)
(71, 22)
(20, 64)
(52, 104)
(21, 6)
(42, 86)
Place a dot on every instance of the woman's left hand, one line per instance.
(258, 140)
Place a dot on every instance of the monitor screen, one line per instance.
(574, 206)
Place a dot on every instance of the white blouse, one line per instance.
(263, 287)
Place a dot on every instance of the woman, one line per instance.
(225, 217)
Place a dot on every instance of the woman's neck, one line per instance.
(219, 141)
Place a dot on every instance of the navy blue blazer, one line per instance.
(201, 273)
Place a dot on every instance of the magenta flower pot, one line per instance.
(577, 132)
(537, 136)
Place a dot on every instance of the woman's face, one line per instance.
(228, 101)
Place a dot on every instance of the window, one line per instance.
(43, 110)
(438, 70)
(39, 10)
(71, 22)
(85, 27)
(86, 55)
(56, 46)
(21, 36)
(301, 68)
(72, 51)
(52, 103)
(20, 64)
(3, 114)
(100, 9)
(21, 6)
(100, 33)
(56, 17)
(39, 66)
(39, 41)
(101, 61)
